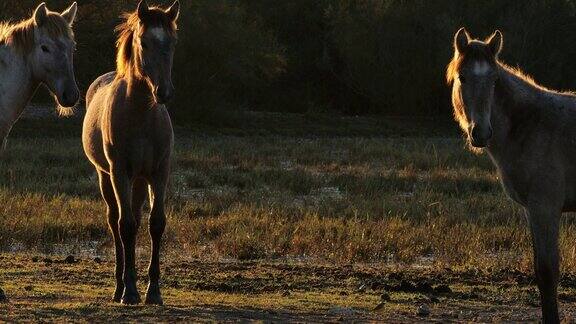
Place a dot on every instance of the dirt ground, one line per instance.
(55, 289)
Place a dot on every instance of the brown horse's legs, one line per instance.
(113, 214)
(157, 225)
(128, 229)
(544, 227)
(139, 195)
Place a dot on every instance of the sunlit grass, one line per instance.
(358, 199)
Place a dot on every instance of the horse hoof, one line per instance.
(154, 299)
(117, 296)
(131, 299)
(3, 298)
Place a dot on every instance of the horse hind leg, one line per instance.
(112, 213)
(544, 226)
(157, 226)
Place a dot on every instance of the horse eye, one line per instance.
(45, 49)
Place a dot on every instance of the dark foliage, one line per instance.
(382, 57)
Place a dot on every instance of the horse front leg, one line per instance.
(112, 212)
(157, 226)
(544, 226)
(128, 229)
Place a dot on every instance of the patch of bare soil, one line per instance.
(57, 289)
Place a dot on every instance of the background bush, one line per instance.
(384, 57)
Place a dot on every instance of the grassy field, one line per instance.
(386, 195)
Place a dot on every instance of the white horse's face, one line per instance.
(474, 85)
(52, 57)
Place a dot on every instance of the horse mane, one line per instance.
(21, 35)
(452, 68)
(478, 52)
(529, 80)
(126, 30)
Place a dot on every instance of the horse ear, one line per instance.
(70, 13)
(174, 11)
(495, 42)
(143, 9)
(461, 40)
(40, 14)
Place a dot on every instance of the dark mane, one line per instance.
(131, 25)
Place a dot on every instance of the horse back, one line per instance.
(102, 81)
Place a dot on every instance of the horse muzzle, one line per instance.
(164, 95)
(69, 97)
(480, 136)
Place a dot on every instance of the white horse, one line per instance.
(529, 133)
(35, 51)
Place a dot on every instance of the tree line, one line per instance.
(382, 57)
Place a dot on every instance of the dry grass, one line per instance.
(412, 200)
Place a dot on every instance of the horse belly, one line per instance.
(144, 161)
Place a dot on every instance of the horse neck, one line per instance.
(138, 91)
(19, 84)
(515, 107)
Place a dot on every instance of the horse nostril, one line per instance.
(474, 132)
(69, 98)
(480, 136)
